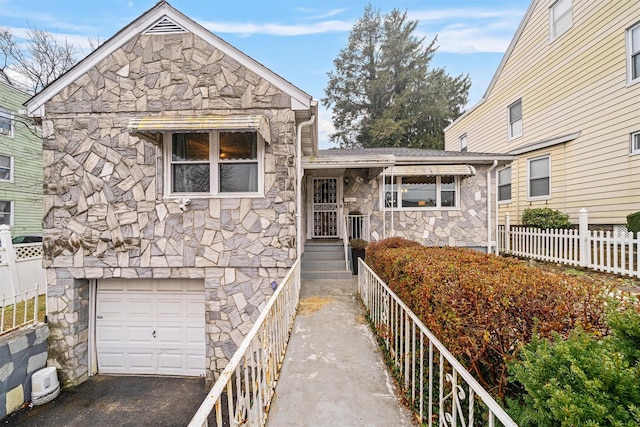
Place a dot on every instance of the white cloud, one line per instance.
(277, 29)
(325, 128)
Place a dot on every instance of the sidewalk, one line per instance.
(333, 373)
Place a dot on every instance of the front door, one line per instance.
(325, 208)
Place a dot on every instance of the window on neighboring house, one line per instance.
(6, 212)
(6, 168)
(539, 171)
(421, 192)
(504, 184)
(515, 119)
(463, 143)
(560, 18)
(6, 122)
(215, 163)
(635, 143)
(633, 53)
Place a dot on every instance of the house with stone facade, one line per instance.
(182, 182)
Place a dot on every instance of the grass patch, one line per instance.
(20, 311)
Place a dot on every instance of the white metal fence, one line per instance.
(598, 250)
(438, 388)
(25, 302)
(243, 393)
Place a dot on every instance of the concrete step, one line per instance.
(323, 247)
(323, 256)
(327, 275)
(323, 265)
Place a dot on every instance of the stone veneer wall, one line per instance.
(104, 212)
(466, 226)
(21, 354)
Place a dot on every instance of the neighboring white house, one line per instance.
(566, 101)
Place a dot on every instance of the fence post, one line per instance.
(507, 233)
(583, 230)
(10, 255)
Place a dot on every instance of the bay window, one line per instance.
(539, 171)
(504, 184)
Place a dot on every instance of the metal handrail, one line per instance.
(345, 242)
(404, 335)
(249, 379)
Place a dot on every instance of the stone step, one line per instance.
(323, 248)
(328, 275)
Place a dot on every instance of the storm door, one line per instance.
(325, 207)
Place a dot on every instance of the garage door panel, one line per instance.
(140, 307)
(167, 336)
(195, 336)
(169, 308)
(110, 306)
(139, 335)
(111, 335)
(130, 311)
(141, 361)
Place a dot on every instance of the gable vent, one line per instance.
(165, 26)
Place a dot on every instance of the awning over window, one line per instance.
(431, 170)
(152, 127)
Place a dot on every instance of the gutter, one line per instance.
(493, 166)
(299, 184)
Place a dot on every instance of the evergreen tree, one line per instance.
(383, 93)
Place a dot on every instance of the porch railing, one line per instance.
(358, 227)
(243, 392)
(438, 388)
(25, 302)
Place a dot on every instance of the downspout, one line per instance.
(495, 164)
(299, 184)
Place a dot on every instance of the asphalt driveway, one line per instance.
(118, 401)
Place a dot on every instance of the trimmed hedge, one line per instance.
(483, 307)
(545, 218)
(633, 223)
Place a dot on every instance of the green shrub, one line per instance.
(545, 218)
(624, 323)
(633, 223)
(482, 307)
(578, 381)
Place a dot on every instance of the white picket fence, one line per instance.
(597, 250)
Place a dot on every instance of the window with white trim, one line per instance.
(635, 143)
(6, 168)
(420, 192)
(6, 122)
(633, 53)
(560, 18)
(6, 212)
(504, 184)
(539, 178)
(463, 143)
(515, 119)
(214, 163)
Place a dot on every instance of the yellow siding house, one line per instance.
(566, 100)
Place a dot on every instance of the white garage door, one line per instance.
(150, 326)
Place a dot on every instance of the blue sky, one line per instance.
(296, 39)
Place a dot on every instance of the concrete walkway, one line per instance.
(333, 373)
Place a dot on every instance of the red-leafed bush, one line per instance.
(390, 243)
(482, 307)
